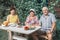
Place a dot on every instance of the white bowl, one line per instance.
(12, 24)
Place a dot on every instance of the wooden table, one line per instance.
(19, 30)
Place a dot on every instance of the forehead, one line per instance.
(32, 12)
(45, 8)
(12, 10)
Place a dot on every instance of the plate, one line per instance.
(3, 25)
(12, 24)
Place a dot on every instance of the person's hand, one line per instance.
(18, 23)
(51, 30)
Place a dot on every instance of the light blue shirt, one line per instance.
(46, 21)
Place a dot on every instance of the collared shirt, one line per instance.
(46, 21)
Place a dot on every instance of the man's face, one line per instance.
(45, 11)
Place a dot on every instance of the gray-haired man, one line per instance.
(47, 22)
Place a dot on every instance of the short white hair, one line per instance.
(44, 8)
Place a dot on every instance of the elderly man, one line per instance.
(47, 22)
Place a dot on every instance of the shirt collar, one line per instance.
(47, 15)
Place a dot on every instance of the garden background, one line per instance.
(23, 7)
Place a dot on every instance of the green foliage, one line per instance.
(3, 35)
(23, 7)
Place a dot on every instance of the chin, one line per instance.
(45, 13)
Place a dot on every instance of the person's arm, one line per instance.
(40, 21)
(53, 26)
(27, 20)
(7, 18)
(18, 21)
(53, 23)
(37, 21)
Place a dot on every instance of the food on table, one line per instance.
(13, 24)
(29, 27)
(32, 27)
(5, 23)
(26, 27)
(18, 26)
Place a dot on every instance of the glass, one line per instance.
(21, 24)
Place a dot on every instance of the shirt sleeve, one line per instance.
(37, 20)
(18, 19)
(53, 18)
(17, 16)
(40, 21)
(27, 19)
(8, 18)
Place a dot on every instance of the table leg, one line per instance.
(9, 35)
(28, 37)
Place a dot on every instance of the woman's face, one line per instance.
(32, 14)
(12, 12)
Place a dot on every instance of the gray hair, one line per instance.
(44, 8)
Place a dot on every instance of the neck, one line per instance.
(46, 14)
(31, 16)
(12, 15)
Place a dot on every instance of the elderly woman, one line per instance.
(32, 19)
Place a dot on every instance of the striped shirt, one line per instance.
(46, 21)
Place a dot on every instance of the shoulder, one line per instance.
(16, 15)
(42, 16)
(28, 16)
(51, 14)
(36, 17)
(8, 15)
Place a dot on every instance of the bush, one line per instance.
(23, 7)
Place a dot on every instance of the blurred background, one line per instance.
(23, 7)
